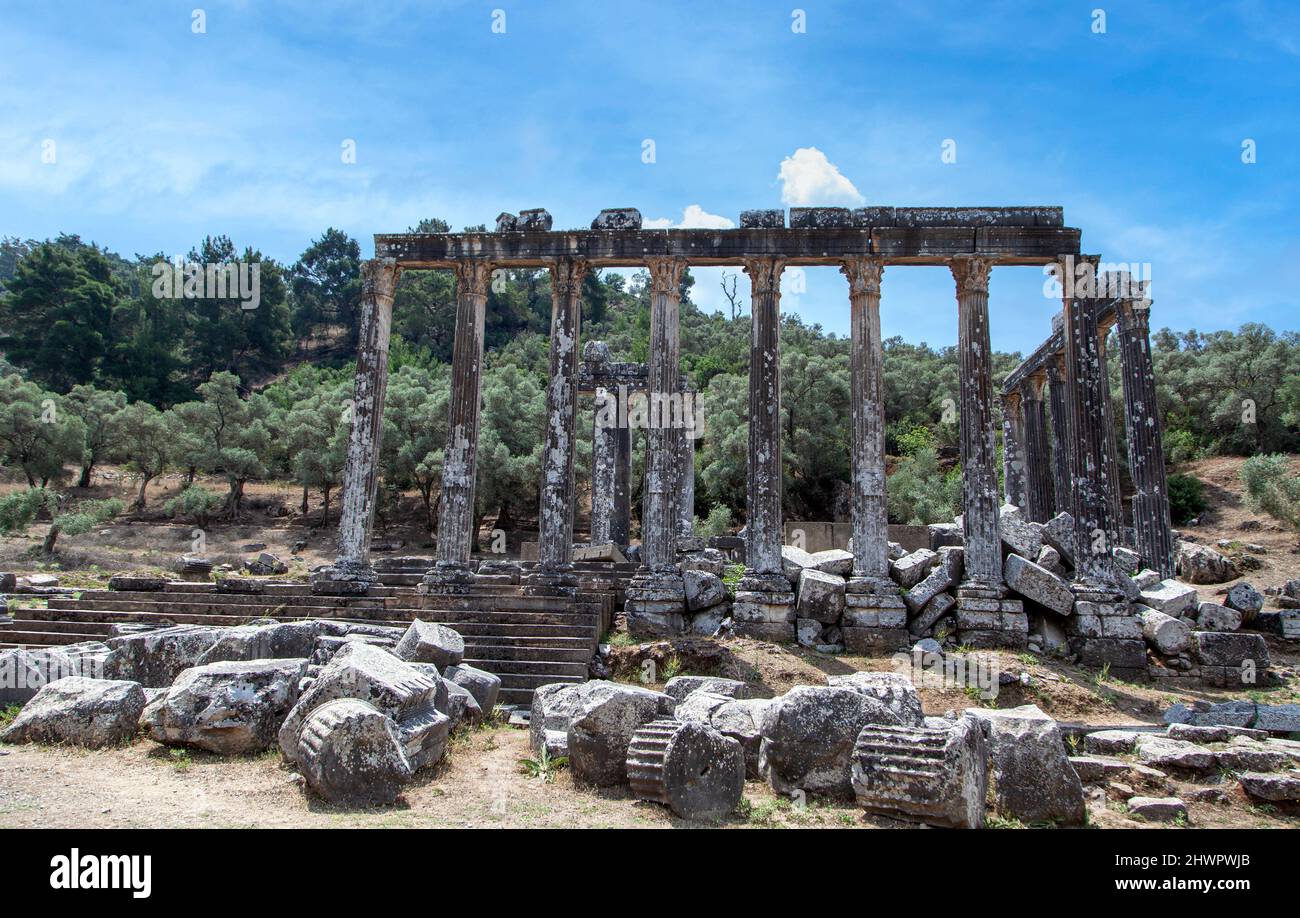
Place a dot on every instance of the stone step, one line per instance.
(527, 652)
(14, 637)
(530, 667)
(53, 627)
(214, 598)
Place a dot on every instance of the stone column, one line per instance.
(656, 597)
(1113, 494)
(1060, 435)
(686, 479)
(875, 617)
(604, 468)
(460, 457)
(351, 572)
(1013, 450)
(621, 525)
(1146, 453)
(764, 604)
(555, 519)
(1038, 464)
(984, 617)
(1087, 391)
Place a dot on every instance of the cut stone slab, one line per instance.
(937, 581)
(230, 708)
(820, 596)
(1165, 634)
(679, 687)
(809, 734)
(428, 642)
(25, 671)
(1170, 597)
(1038, 584)
(1202, 564)
(602, 726)
(351, 753)
(1031, 775)
(1243, 754)
(1275, 788)
(81, 712)
(703, 590)
(1211, 734)
(1058, 532)
(1019, 535)
(424, 736)
(1233, 651)
(1157, 809)
(835, 561)
(937, 776)
(1049, 559)
(794, 561)
(1098, 769)
(1210, 616)
(1147, 579)
(690, 767)
(1166, 753)
(156, 658)
(1109, 742)
(548, 722)
(912, 568)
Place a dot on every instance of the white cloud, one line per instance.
(693, 217)
(809, 178)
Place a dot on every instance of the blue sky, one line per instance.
(162, 136)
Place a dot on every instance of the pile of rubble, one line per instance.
(358, 709)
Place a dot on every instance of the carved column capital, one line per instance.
(1013, 405)
(1031, 387)
(379, 277)
(864, 273)
(765, 273)
(567, 275)
(665, 274)
(473, 276)
(971, 272)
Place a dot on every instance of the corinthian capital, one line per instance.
(971, 272)
(765, 273)
(567, 275)
(864, 273)
(379, 277)
(473, 275)
(665, 274)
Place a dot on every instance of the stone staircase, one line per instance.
(527, 640)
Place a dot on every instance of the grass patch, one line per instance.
(8, 713)
(545, 766)
(180, 759)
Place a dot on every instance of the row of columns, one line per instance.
(1072, 463)
(1074, 388)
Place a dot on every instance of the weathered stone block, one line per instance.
(1211, 616)
(534, 220)
(692, 768)
(1202, 564)
(602, 726)
(937, 776)
(1038, 584)
(351, 753)
(617, 218)
(1032, 778)
(1166, 635)
(703, 590)
(428, 642)
(912, 568)
(762, 219)
(833, 561)
(1245, 599)
(821, 596)
(81, 712)
(1171, 597)
(1235, 651)
(820, 217)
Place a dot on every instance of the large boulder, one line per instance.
(79, 711)
(1210, 616)
(428, 642)
(1202, 564)
(25, 671)
(607, 715)
(548, 724)
(367, 673)
(894, 690)
(820, 597)
(808, 737)
(231, 708)
(351, 753)
(703, 590)
(740, 719)
(482, 685)
(1033, 780)
(1038, 584)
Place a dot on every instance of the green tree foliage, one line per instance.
(415, 433)
(143, 442)
(326, 285)
(195, 502)
(19, 509)
(98, 410)
(1186, 497)
(83, 518)
(510, 444)
(1271, 487)
(919, 492)
(37, 433)
(57, 313)
(225, 434)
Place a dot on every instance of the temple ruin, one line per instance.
(1060, 450)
